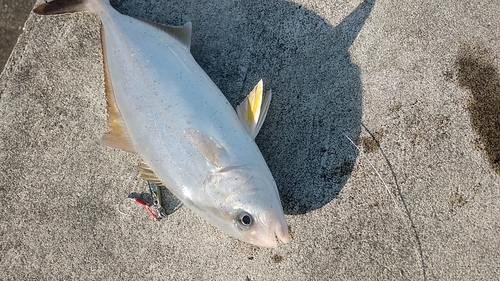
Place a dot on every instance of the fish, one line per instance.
(162, 106)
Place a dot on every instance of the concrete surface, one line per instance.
(13, 14)
(421, 77)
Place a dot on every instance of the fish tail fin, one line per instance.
(67, 6)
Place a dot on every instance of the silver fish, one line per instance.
(165, 108)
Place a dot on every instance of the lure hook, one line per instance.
(140, 202)
(159, 211)
(120, 204)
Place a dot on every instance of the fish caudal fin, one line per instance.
(68, 6)
(61, 7)
(252, 111)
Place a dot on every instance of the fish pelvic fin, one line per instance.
(148, 174)
(181, 33)
(253, 109)
(117, 137)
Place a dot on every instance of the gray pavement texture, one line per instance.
(414, 83)
(13, 14)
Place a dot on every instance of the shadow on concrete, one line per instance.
(317, 91)
(13, 14)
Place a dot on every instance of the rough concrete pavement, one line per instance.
(415, 75)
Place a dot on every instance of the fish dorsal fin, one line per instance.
(117, 136)
(252, 110)
(181, 33)
(213, 152)
(147, 174)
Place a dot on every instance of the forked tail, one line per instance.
(70, 6)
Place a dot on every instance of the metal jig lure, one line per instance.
(158, 212)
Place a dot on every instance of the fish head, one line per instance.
(249, 206)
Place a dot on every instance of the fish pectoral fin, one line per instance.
(253, 109)
(181, 33)
(117, 136)
(147, 174)
(210, 150)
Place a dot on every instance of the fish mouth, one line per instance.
(277, 231)
(282, 233)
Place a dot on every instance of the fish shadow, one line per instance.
(305, 61)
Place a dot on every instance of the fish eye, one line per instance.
(243, 220)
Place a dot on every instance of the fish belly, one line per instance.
(161, 91)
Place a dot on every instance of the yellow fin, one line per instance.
(147, 174)
(252, 111)
(117, 136)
